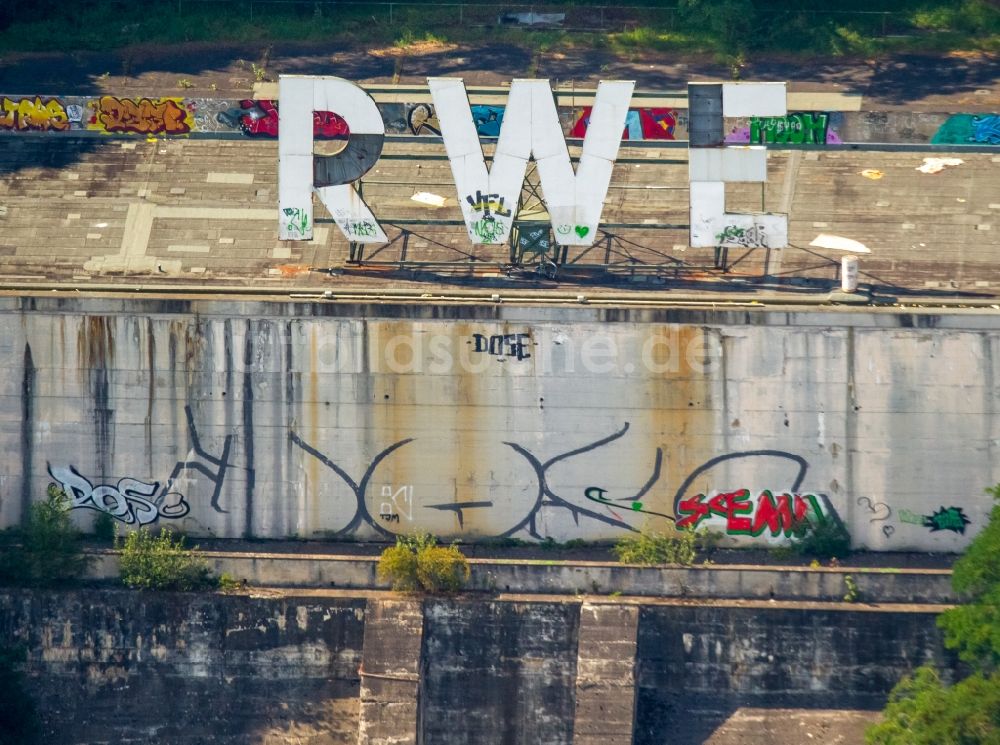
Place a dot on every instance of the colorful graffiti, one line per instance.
(38, 114)
(781, 514)
(640, 124)
(260, 119)
(422, 120)
(946, 518)
(801, 128)
(148, 116)
(967, 129)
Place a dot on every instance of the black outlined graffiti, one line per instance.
(547, 498)
(221, 464)
(879, 510)
(458, 507)
(502, 345)
(130, 501)
(361, 514)
(803, 466)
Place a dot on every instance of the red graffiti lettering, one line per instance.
(145, 116)
(260, 119)
(784, 513)
(640, 124)
(28, 113)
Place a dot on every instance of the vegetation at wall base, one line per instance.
(923, 709)
(675, 546)
(105, 528)
(823, 538)
(418, 563)
(48, 550)
(163, 562)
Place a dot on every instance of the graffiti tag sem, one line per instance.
(803, 128)
(131, 501)
(640, 124)
(946, 518)
(488, 230)
(33, 114)
(142, 116)
(780, 514)
(502, 345)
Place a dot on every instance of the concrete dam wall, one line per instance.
(365, 421)
(126, 667)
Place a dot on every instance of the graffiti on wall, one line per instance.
(801, 128)
(148, 116)
(640, 124)
(945, 518)
(422, 120)
(260, 119)
(878, 512)
(502, 346)
(779, 514)
(969, 129)
(33, 113)
(132, 501)
(397, 508)
(137, 502)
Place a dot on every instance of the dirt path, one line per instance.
(949, 82)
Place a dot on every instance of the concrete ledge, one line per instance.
(592, 578)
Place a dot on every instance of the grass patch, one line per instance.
(163, 562)
(702, 26)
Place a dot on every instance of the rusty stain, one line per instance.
(95, 343)
(292, 270)
(679, 412)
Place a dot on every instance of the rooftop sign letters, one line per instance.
(530, 129)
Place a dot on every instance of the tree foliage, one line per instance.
(922, 709)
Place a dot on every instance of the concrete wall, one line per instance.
(357, 421)
(182, 116)
(124, 667)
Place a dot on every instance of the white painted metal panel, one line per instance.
(299, 97)
(488, 197)
(754, 99)
(732, 164)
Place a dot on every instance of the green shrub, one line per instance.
(161, 562)
(18, 717)
(105, 528)
(418, 563)
(823, 537)
(672, 547)
(48, 551)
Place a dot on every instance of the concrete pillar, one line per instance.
(605, 675)
(849, 273)
(390, 673)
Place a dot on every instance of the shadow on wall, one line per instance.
(697, 677)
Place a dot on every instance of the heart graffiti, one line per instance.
(581, 230)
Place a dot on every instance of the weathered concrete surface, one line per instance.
(114, 666)
(499, 673)
(779, 659)
(308, 420)
(126, 667)
(605, 678)
(391, 673)
(571, 578)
